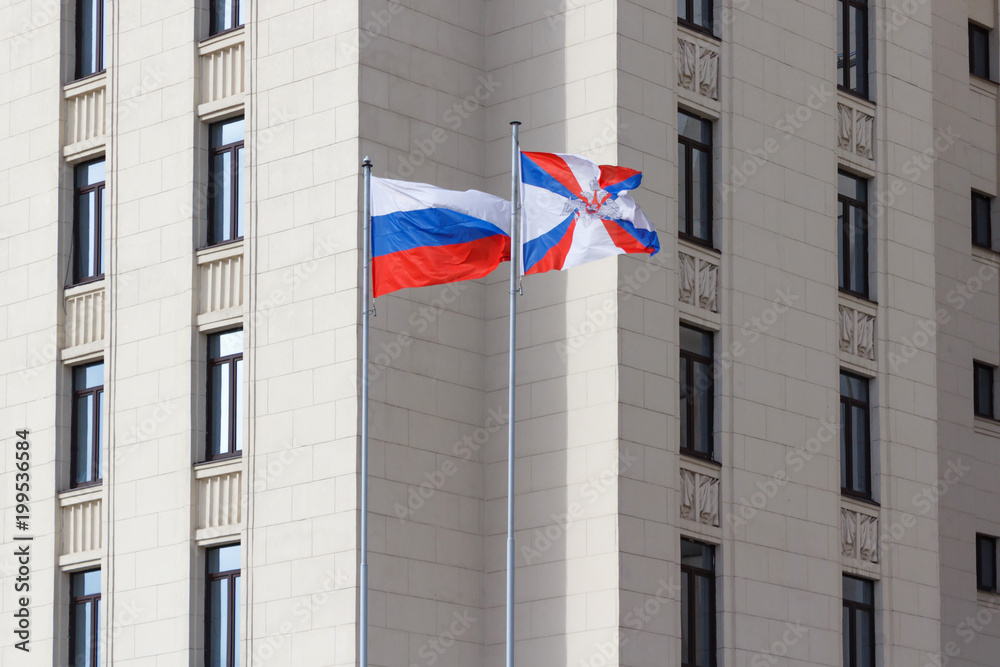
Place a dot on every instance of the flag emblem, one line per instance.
(575, 211)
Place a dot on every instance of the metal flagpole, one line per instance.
(515, 251)
(365, 289)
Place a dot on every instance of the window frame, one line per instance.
(973, 29)
(213, 28)
(689, 359)
(689, 23)
(99, 42)
(232, 616)
(95, 620)
(235, 195)
(844, 225)
(95, 445)
(690, 572)
(976, 222)
(234, 389)
(981, 537)
(847, 442)
(98, 242)
(685, 227)
(844, 7)
(853, 607)
(976, 367)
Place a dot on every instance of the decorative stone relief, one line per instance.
(699, 498)
(856, 130)
(857, 333)
(859, 535)
(699, 283)
(698, 68)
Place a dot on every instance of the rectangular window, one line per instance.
(696, 14)
(225, 173)
(859, 622)
(90, 43)
(979, 51)
(697, 604)
(982, 225)
(87, 438)
(222, 601)
(852, 234)
(85, 619)
(986, 563)
(697, 392)
(225, 394)
(855, 436)
(983, 391)
(852, 44)
(226, 15)
(88, 222)
(694, 178)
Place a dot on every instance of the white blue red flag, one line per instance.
(424, 235)
(575, 211)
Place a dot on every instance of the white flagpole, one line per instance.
(515, 252)
(365, 289)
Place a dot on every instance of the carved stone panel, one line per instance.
(699, 282)
(857, 333)
(859, 535)
(856, 131)
(699, 498)
(698, 68)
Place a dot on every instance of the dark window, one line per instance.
(982, 226)
(88, 424)
(90, 42)
(979, 51)
(852, 234)
(859, 622)
(697, 604)
(225, 190)
(983, 391)
(694, 178)
(85, 619)
(696, 14)
(986, 563)
(225, 404)
(697, 392)
(88, 222)
(226, 15)
(852, 44)
(855, 436)
(222, 617)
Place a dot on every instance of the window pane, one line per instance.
(219, 410)
(685, 399)
(859, 246)
(91, 173)
(83, 437)
(703, 621)
(696, 341)
(221, 195)
(981, 220)
(97, 630)
(239, 193)
(238, 400)
(852, 386)
(841, 221)
(696, 554)
(236, 622)
(225, 344)
(682, 10)
(857, 590)
(864, 640)
(85, 235)
(986, 560)
(224, 559)
(85, 583)
(81, 634)
(682, 181)
(984, 390)
(241, 20)
(218, 622)
(844, 451)
(88, 377)
(88, 43)
(685, 620)
(702, 13)
(852, 67)
(694, 128)
(852, 186)
(702, 189)
(702, 408)
(101, 244)
(859, 455)
(859, 44)
(99, 453)
(840, 43)
(226, 133)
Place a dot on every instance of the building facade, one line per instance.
(772, 443)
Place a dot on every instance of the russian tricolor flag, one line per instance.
(423, 235)
(575, 211)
